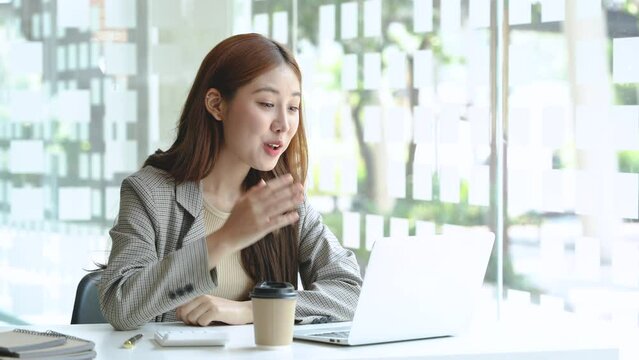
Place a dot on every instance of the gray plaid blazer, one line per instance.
(159, 260)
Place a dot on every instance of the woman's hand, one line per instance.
(261, 210)
(205, 309)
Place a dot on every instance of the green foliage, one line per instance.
(631, 7)
(334, 222)
(626, 94)
(529, 218)
(628, 161)
(440, 212)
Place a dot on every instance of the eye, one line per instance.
(293, 109)
(266, 104)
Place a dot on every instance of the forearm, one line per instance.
(207, 309)
(246, 313)
(134, 293)
(218, 245)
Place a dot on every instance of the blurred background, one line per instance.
(402, 99)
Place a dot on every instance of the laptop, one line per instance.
(414, 288)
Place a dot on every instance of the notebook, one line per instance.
(28, 344)
(85, 355)
(415, 288)
(17, 340)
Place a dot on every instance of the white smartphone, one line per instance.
(199, 337)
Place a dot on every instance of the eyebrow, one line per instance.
(272, 90)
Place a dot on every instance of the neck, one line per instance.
(223, 185)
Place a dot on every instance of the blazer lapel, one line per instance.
(189, 196)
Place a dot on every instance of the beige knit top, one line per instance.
(232, 281)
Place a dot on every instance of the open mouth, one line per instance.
(274, 148)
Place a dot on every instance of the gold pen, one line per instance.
(129, 344)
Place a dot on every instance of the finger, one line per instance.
(264, 191)
(294, 192)
(181, 315)
(256, 188)
(213, 314)
(279, 182)
(280, 221)
(282, 205)
(291, 191)
(207, 318)
(186, 309)
(195, 315)
(278, 209)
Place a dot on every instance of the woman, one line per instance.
(223, 208)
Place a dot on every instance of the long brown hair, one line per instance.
(231, 64)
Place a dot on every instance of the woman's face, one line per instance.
(262, 118)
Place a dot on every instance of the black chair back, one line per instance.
(86, 309)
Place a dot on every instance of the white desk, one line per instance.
(532, 340)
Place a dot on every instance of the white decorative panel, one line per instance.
(74, 203)
(27, 203)
(350, 229)
(120, 13)
(26, 157)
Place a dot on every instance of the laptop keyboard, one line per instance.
(334, 334)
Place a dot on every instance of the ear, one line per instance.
(215, 104)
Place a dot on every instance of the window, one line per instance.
(402, 103)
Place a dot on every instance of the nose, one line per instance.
(281, 123)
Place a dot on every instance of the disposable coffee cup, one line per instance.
(273, 313)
